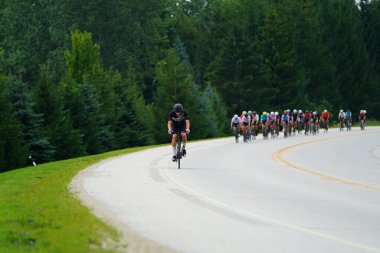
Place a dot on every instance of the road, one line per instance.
(300, 194)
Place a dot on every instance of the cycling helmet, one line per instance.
(276, 113)
(271, 113)
(265, 113)
(288, 110)
(249, 112)
(254, 112)
(325, 110)
(178, 107)
(314, 113)
(244, 112)
(236, 116)
(364, 111)
(341, 110)
(295, 111)
(299, 111)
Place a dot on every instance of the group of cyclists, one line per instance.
(290, 122)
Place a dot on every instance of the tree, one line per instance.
(12, 153)
(33, 134)
(174, 84)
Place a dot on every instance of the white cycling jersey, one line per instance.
(235, 121)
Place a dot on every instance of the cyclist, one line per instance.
(325, 119)
(277, 123)
(293, 122)
(178, 122)
(300, 121)
(314, 123)
(235, 125)
(285, 119)
(245, 125)
(264, 120)
(348, 119)
(255, 124)
(341, 117)
(362, 118)
(307, 121)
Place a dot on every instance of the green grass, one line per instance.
(39, 214)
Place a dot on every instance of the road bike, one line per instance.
(349, 124)
(362, 124)
(341, 124)
(236, 132)
(179, 154)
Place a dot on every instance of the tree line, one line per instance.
(81, 77)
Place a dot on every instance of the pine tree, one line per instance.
(12, 152)
(33, 134)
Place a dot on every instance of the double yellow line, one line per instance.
(277, 156)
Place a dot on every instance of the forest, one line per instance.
(81, 77)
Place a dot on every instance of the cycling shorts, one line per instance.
(179, 128)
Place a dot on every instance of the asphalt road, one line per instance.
(300, 194)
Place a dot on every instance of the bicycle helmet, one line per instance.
(364, 111)
(236, 116)
(288, 110)
(325, 110)
(265, 113)
(178, 107)
(314, 113)
(254, 112)
(244, 112)
(295, 111)
(276, 113)
(341, 110)
(271, 113)
(249, 112)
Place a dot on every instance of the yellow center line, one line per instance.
(277, 156)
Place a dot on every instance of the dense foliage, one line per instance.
(82, 77)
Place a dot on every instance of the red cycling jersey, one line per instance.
(325, 115)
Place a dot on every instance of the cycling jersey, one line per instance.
(348, 114)
(235, 122)
(341, 115)
(361, 115)
(264, 118)
(325, 115)
(178, 122)
(285, 118)
(255, 118)
(246, 120)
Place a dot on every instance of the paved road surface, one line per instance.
(300, 194)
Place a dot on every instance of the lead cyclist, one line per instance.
(178, 122)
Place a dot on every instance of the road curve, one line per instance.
(300, 194)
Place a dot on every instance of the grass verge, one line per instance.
(39, 214)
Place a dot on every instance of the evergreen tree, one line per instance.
(49, 103)
(174, 84)
(12, 152)
(33, 134)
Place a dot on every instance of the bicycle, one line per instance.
(349, 125)
(341, 125)
(179, 154)
(236, 132)
(362, 124)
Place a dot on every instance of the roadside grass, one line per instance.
(38, 213)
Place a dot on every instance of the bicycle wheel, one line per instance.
(179, 152)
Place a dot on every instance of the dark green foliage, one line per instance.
(12, 152)
(91, 76)
(33, 133)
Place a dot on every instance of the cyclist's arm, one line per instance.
(188, 124)
(169, 125)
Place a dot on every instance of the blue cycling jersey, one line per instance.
(264, 117)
